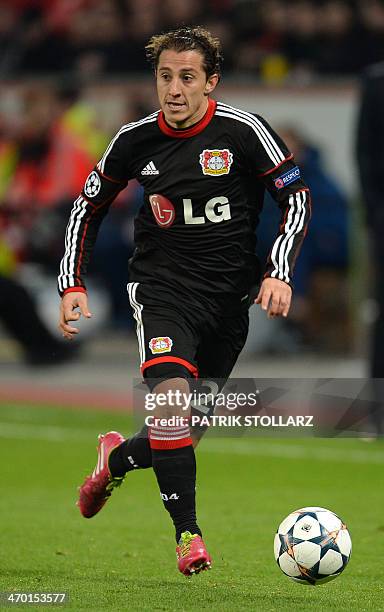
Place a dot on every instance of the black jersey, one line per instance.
(203, 192)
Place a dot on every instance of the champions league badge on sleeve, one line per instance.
(92, 185)
(289, 177)
(215, 162)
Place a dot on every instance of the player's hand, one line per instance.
(69, 303)
(274, 297)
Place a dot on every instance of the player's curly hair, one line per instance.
(187, 39)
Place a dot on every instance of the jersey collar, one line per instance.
(193, 129)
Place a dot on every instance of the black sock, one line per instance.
(176, 474)
(133, 454)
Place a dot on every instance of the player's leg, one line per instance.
(174, 464)
(173, 456)
(98, 486)
(155, 319)
(157, 323)
(216, 357)
(135, 452)
(116, 456)
(167, 346)
(222, 344)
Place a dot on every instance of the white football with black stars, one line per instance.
(312, 545)
(92, 185)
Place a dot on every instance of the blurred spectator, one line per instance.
(176, 13)
(339, 51)
(43, 167)
(245, 19)
(260, 42)
(96, 40)
(9, 24)
(270, 39)
(37, 47)
(142, 19)
(371, 13)
(20, 318)
(44, 161)
(321, 270)
(370, 158)
(302, 41)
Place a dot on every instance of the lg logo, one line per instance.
(216, 210)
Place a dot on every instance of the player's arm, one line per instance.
(282, 177)
(295, 205)
(275, 293)
(100, 189)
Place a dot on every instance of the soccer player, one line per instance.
(204, 166)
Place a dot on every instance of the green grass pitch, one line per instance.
(124, 558)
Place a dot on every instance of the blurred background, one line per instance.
(73, 71)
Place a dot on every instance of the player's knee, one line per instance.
(159, 373)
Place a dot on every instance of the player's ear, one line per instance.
(211, 83)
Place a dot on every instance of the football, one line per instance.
(312, 545)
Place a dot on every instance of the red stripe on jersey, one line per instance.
(109, 178)
(310, 209)
(94, 210)
(72, 289)
(190, 131)
(286, 212)
(88, 201)
(278, 166)
(191, 368)
(101, 203)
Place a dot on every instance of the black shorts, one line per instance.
(203, 334)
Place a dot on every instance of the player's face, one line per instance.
(183, 87)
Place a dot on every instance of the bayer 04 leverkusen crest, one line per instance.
(215, 162)
(161, 344)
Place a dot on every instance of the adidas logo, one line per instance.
(150, 169)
